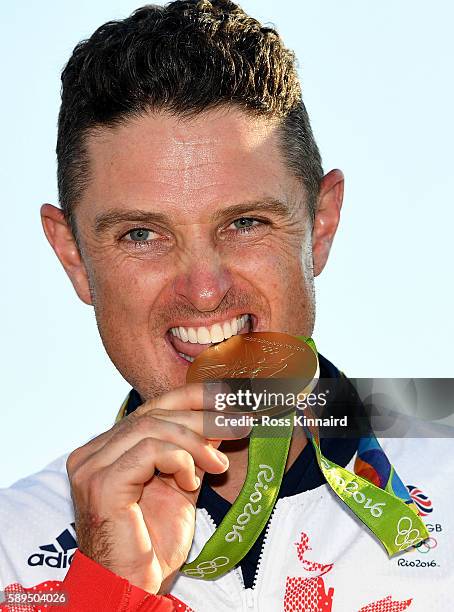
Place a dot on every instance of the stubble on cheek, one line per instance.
(122, 316)
(289, 258)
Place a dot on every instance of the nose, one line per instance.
(204, 279)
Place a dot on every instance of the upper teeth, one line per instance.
(214, 333)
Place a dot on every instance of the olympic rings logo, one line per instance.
(426, 545)
(406, 536)
(205, 568)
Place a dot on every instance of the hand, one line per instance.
(137, 524)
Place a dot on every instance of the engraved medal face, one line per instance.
(268, 364)
(255, 355)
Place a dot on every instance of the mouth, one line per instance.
(189, 341)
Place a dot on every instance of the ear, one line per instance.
(61, 239)
(326, 218)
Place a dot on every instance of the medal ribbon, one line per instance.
(387, 510)
(251, 510)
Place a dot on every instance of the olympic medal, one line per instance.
(255, 355)
(276, 365)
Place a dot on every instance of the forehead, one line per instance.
(188, 166)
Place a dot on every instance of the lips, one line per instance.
(192, 349)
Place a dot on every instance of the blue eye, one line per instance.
(138, 235)
(245, 223)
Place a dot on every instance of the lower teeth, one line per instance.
(187, 357)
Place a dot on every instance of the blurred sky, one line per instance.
(377, 81)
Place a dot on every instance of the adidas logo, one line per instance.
(58, 558)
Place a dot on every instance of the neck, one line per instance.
(228, 485)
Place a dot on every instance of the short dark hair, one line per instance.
(186, 57)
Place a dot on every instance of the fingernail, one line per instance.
(220, 455)
(197, 481)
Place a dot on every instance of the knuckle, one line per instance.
(73, 461)
(87, 482)
(148, 445)
(78, 478)
(145, 423)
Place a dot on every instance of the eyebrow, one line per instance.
(266, 205)
(104, 221)
(108, 219)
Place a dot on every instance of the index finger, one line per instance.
(187, 397)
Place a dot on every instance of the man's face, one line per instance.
(191, 231)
